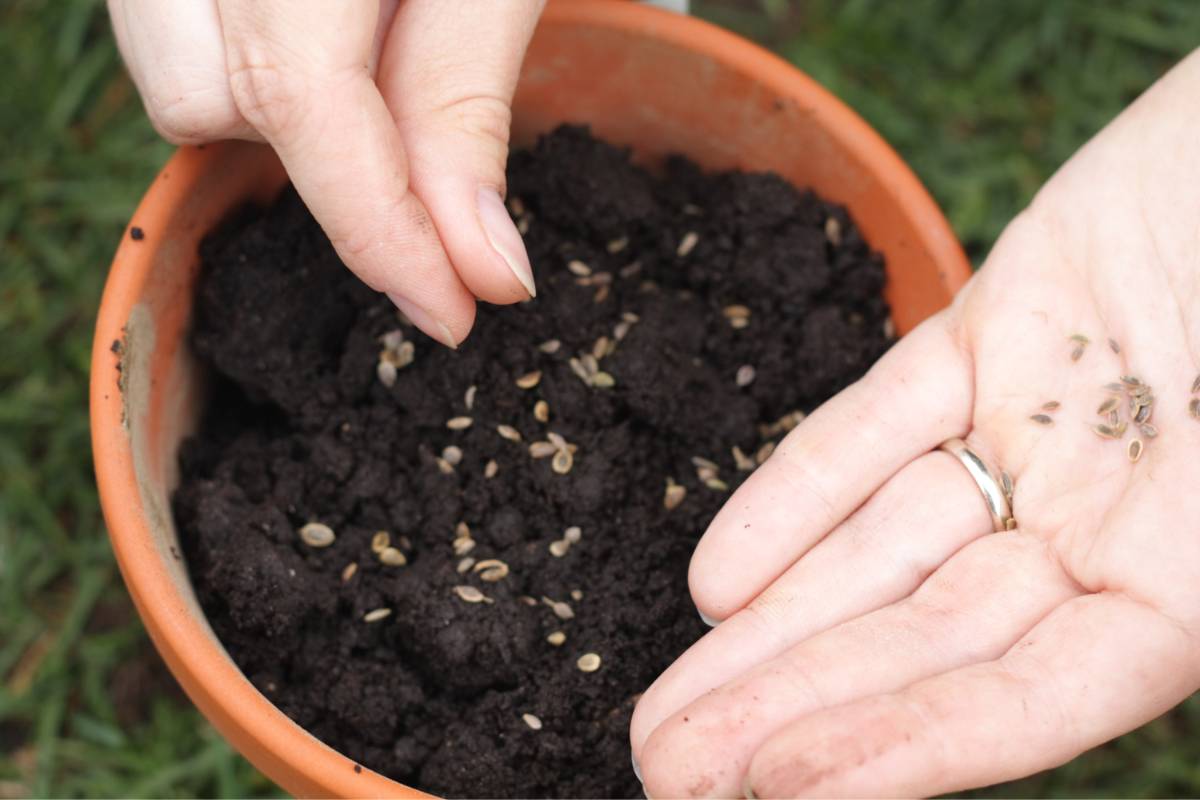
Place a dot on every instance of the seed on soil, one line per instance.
(1196, 385)
(1135, 450)
(617, 245)
(459, 423)
(573, 534)
(444, 466)
(386, 372)
(1147, 430)
(745, 375)
(561, 610)
(533, 722)
(542, 449)
(674, 495)
(576, 595)
(490, 469)
(557, 439)
(687, 244)
(452, 455)
(833, 231)
(738, 315)
(559, 548)
(602, 380)
(550, 346)
(317, 534)
(1042, 419)
(717, 485)
(541, 411)
(557, 638)
(509, 432)
(469, 397)
(588, 662)
(529, 379)
(379, 541)
(1053, 405)
(744, 462)
(349, 570)
(377, 614)
(579, 268)
(527, 600)
(463, 545)
(562, 462)
(491, 570)
(621, 330)
(392, 557)
(1194, 407)
(600, 348)
(1112, 345)
(1108, 405)
(764, 452)
(469, 594)
(630, 269)
(464, 565)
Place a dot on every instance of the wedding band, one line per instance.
(990, 486)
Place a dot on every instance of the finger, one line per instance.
(915, 397)
(175, 54)
(448, 75)
(1095, 668)
(972, 609)
(880, 554)
(299, 72)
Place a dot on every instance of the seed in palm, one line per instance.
(1135, 450)
(1042, 419)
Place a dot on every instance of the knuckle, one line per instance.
(268, 96)
(190, 113)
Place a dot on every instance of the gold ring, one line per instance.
(997, 494)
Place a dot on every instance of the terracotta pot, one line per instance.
(639, 76)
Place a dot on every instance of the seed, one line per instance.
(833, 231)
(562, 462)
(580, 371)
(1148, 430)
(509, 432)
(1080, 339)
(1114, 417)
(559, 548)
(1114, 387)
(556, 638)
(392, 557)
(1053, 405)
(600, 347)
(1077, 353)
(462, 530)
(1196, 385)
(349, 570)
(617, 245)
(1107, 431)
(744, 462)
(621, 330)
(386, 372)
(1006, 483)
(470, 594)
(889, 328)
(491, 570)
(716, 484)
(1042, 419)
(1130, 380)
(560, 609)
(736, 312)
(452, 455)
(532, 721)
(529, 379)
(1112, 345)
(1143, 413)
(573, 534)
(404, 354)
(542, 449)
(764, 453)
(464, 565)
(588, 662)
(469, 397)
(745, 375)
(463, 545)
(490, 469)
(459, 423)
(576, 595)
(516, 207)
(577, 267)
(1194, 407)
(687, 243)
(377, 614)
(527, 600)
(1010, 524)
(1135, 450)
(602, 380)
(550, 346)
(1141, 390)
(630, 269)
(541, 411)
(704, 463)
(601, 295)
(557, 440)
(674, 495)
(392, 339)
(1107, 406)
(316, 534)
(444, 466)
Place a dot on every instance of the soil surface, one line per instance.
(303, 428)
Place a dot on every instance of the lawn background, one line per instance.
(983, 98)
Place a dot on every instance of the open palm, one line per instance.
(876, 636)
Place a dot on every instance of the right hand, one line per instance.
(392, 122)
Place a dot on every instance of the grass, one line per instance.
(984, 99)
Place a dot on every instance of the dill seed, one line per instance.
(1148, 430)
(529, 380)
(516, 207)
(1079, 338)
(550, 346)
(674, 495)
(557, 440)
(602, 380)
(576, 595)
(559, 547)
(617, 245)
(630, 269)
(1143, 413)
(621, 330)
(452, 455)
(717, 485)
(491, 570)
(579, 268)
(591, 364)
(316, 534)
(380, 542)
(349, 570)
(580, 371)
(444, 466)
(562, 462)
(573, 534)
(527, 600)
(1130, 380)
(377, 614)
(601, 294)
(533, 722)
(470, 594)
(1107, 406)
(490, 469)
(469, 397)
(600, 347)
(462, 530)
(1112, 345)
(1134, 450)
(386, 372)
(557, 638)
(459, 423)
(561, 610)
(541, 411)
(764, 452)
(464, 565)
(744, 462)
(1196, 385)
(1077, 353)
(745, 375)
(1042, 419)
(736, 312)
(1114, 417)
(833, 231)
(392, 339)
(704, 464)
(463, 545)
(542, 449)
(509, 432)
(392, 557)
(588, 662)
(1053, 405)
(1194, 407)
(1114, 387)
(1107, 431)
(687, 244)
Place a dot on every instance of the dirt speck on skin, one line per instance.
(301, 428)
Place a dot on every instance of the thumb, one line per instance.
(447, 74)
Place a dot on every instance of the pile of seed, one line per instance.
(462, 568)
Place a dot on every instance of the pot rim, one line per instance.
(279, 747)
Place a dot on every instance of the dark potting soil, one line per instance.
(302, 428)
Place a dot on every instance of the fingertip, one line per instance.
(504, 238)
(451, 333)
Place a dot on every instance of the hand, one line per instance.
(391, 119)
(877, 637)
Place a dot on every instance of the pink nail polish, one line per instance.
(424, 320)
(502, 235)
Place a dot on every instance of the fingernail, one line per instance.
(636, 769)
(504, 238)
(707, 620)
(748, 790)
(424, 320)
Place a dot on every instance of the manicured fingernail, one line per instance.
(636, 769)
(707, 620)
(504, 238)
(424, 320)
